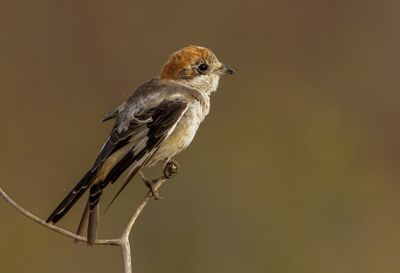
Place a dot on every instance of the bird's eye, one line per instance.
(203, 67)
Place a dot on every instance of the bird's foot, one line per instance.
(171, 169)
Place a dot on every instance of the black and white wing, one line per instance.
(138, 141)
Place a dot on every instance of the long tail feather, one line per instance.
(92, 225)
(71, 198)
(81, 228)
(94, 198)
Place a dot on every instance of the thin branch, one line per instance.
(123, 241)
(140, 208)
(126, 249)
(53, 227)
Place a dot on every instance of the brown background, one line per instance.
(295, 170)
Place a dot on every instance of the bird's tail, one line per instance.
(90, 215)
(72, 197)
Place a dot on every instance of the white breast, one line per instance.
(184, 131)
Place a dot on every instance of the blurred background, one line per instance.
(296, 169)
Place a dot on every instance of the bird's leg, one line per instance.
(170, 170)
(151, 185)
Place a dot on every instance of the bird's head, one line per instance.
(195, 67)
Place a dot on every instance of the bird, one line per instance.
(158, 121)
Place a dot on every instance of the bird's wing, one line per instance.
(142, 127)
(139, 110)
(164, 119)
(143, 133)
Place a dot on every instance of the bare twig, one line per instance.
(123, 241)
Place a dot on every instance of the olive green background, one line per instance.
(295, 170)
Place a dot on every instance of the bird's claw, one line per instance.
(171, 169)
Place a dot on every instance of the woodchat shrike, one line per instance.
(158, 121)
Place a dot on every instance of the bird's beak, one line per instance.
(224, 70)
